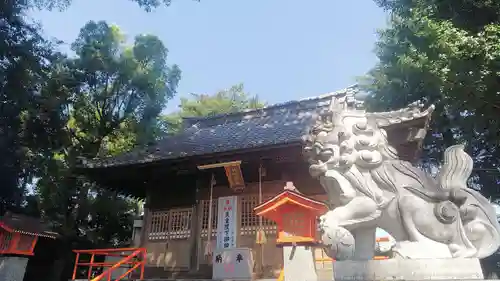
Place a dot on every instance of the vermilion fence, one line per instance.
(131, 259)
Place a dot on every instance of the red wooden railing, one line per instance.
(132, 259)
(15, 243)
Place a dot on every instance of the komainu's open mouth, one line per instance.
(317, 169)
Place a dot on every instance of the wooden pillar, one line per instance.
(195, 240)
(193, 243)
(145, 222)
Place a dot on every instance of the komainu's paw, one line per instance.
(339, 243)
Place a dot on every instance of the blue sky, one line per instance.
(280, 49)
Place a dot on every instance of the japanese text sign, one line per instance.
(227, 222)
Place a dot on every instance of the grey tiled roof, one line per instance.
(26, 225)
(273, 125)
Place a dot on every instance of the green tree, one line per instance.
(147, 5)
(25, 59)
(229, 100)
(446, 53)
(110, 95)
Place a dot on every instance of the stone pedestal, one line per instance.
(407, 269)
(12, 268)
(298, 263)
(365, 243)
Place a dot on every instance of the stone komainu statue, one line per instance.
(369, 186)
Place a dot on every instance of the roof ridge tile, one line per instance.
(276, 105)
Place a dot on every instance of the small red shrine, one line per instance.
(295, 216)
(19, 234)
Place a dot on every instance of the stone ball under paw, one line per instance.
(339, 243)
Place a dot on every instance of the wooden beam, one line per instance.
(136, 179)
(219, 165)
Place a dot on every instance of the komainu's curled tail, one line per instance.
(479, 220)
(456, 169)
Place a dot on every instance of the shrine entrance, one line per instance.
(169, 238)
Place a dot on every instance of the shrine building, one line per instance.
(250, 156)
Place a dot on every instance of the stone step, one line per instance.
(154, 279)
(323, 274)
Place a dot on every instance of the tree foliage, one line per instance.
(233, 99)
(110, 95)
(446, 53)
(30, 120)
(25, 131)
(55, 109)
(147, 5)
